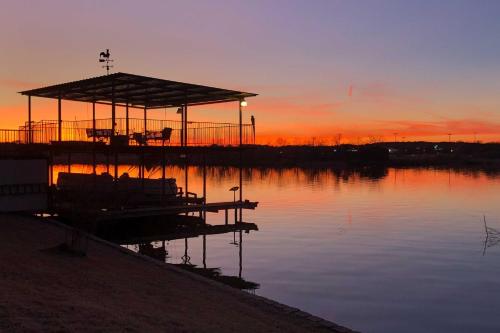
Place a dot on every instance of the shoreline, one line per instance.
(35, 311)
(400, 154)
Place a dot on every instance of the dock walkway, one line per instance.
(213, 207)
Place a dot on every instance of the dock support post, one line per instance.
(126, 120)
(93, 123)
(113, 133)
(186, 258)
(182, 126)
(142, 169)
(107, 160)
(30, 137)
(240, 107)
(226, 216)
(204, 179)
(113, 113)
(59, 119)
(163, 165)
(241, 188)
(116, 166)
(241, 122)
(241, 254)
(93, 139)
(205, 251)
(186, 167)
(185, 125)
(205, 186)
(51, 166)
(145, 124)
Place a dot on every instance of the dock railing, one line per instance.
(198, 133)
(10, 136)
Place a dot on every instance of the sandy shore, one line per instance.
(114, 290)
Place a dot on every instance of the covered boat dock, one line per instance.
(139, 92)
(115, 196)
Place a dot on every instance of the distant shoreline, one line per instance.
(396, 154)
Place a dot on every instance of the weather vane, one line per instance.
(104, 57)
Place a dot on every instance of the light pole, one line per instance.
(234, 189)
(241, 104)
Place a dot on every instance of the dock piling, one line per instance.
(69, 162)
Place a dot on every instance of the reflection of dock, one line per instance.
(145, 246)
(191, 232)
(145, 236)
(215, 274)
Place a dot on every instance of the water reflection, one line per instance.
(492, 236)
(282, 176)
(151, 238)
(388, 250)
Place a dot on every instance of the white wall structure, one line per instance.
(23, 185)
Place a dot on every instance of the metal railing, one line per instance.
(198, 133)
(10, 136)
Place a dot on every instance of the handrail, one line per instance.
(199, 133)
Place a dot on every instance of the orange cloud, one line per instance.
(457, 126)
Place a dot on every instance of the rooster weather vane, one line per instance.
(104, 57)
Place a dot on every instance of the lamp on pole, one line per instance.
(234, 189)
(241, 104)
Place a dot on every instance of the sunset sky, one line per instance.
(362, 69)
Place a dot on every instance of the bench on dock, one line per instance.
(163, 135)
(100, 134)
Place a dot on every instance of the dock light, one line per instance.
(243, 102)
(234, 189)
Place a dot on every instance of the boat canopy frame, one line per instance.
(135, 91)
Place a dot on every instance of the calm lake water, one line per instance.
(395, 250)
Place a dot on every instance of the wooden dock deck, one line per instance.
(134, 213)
